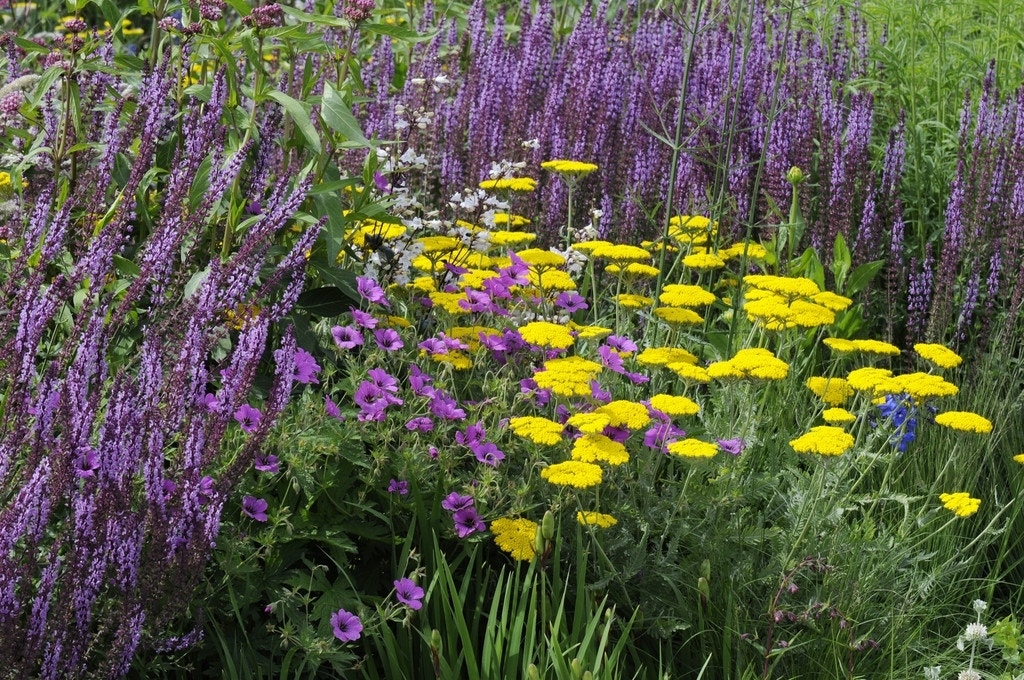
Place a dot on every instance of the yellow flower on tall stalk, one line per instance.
(679, 316)
(783, 285)
(688, 371)
(832, 391)
(662, 356)
(941, 356)
(674, 405)
(597, 519)
(621, 252)
(547, 334)
(568, 167)
(703, 261)
(836, 416)
(623, 413)
(964, 421)
(692, 448)
(592, 448)
(631, 301)
(866, 346)
(826, 440)
(960, 503)
(685, 295)
(537, 429)
(920, 386)
(516, 536)
(519, 184)
(541, 258)
(567, 376)
(589, 423)
(574, 473)
(637, 269)
(866, 379)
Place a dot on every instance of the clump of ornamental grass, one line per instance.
(130, 405)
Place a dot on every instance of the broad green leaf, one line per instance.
(862, 276)
(399, 32)
(301, 118)
(339, 117)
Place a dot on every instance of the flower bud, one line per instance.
(795, 176)
(548, 525)
(532, 673)
(435, 640)
(576, 668)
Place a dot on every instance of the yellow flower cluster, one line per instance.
(832, 391)
(692, 448)
(942, 357)
(501, 239)
(510, 220)
(537, 429)
(623, 413)
(620, 252)
(960, 503)
(538, 257)
(663, 356)
(547, 334)
(866, 379)
(592, 448)
(574, 473)
(523, 184)
(567, 167)
(866, 346)
(638, 269)
(835, 416)
(597, 519)
(965, 421)
(826, 440)
(691, 228)
(685, 295)
(920, 386)
(567, 376)
(633, 301)
(678, 315)
(753, 362)
(516, 536)
(674, 405)
(589, 423)
(703, 261)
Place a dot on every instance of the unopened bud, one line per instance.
(435, 640)
(548, 525)
(532, 673)
(795, 176)
(705, 570)
(576, 668)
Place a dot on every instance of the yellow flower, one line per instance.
(662, 356)
(960, 503)
(509, 184)
(867, 346)
(567, 376)
(942, 357)
(628, 414)
(685, 295)
(439, 244)
(633, 269)
(965, 421)
(573, 473)
(834, 416)
(833, 391)
(787, 286)
(551, 279)
(515, 536)
(598, 519)
(866, 379)
(566, 167)
(589, 332)
(688, 371)
(673, 405)
(449, 302)
(597, 447)
(589, 423)
(511, 238)
(678, 315)
(920, 386)
(754, 251)
(691, 223)
(547, 334)
(751, 362)
(703, 261)
(536, 429)
(692, 448)
(590, 246)
(825, 440)
(457, 360)
(508, 219)
(631, 301)
(541, 258)
(836, 303)
(621, 252)
(1019, 458)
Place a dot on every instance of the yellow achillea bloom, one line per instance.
(633, 269)
(597, 519)
(783, 285)
(511, 238)
(457, 360)
(832, 391)
(475, 278)
(631, 301)
(685, 295)
(920, 386)
(703, 261)
(551, 279)
(678, 315)
(867, 346)
(573, 473)
(589, 247)
(662, 356)
(623, 413)
(673, 405)
(589, 332)
(508, 219)
(536, 429)
(516, 536)
(547, 334)
(754, 251)
(834, 416)
(866, 379)
(825, 440)
(567, 376)
(960, 503)
(566, 167)
(1019, 458)
(965, 421)
(752, 362)
(439, 244)
(943, 357)
(832, 301)
(691, 223)
(589, 423)
(621, 252)
(692, 448)
(596, 447)
(509, 184)
(449, 302)
(688, 371)
(541, 258)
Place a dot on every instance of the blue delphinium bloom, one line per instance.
(902, 413)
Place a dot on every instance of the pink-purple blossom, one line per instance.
(256, 508)
(306, 367)
(248, 417)
(467, 522)
(408, 593)
(347, 337)
(347, 626)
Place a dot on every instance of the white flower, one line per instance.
(969, 674)
(531, 144)
(976, 632)
(979, 606)
(932, 672)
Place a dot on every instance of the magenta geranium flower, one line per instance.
(364, 319)
(306, 367)
(248, 417)
(408, 593)
(467, 521)
(399, 486)
(347, 626)
(267, 463)
(255, 508)
(347, 337)
(388, 339)
(371, 291)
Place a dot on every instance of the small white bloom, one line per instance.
(976, 632)
(932, 672)
(417, 81)
(441, 79)
(969, 674)
(979, 606)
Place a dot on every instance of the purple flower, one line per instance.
(733, 446)
(419, 424)
(488, 453)
(255, 508)
(661, 435)
(454, 502)
(306, 367)
(399, 486)
(381, 182)
(88, 462)
(473, 434)
(611, 359)
(332, 409)
(571, 301)
(364, 319)
(211, 402)
(408, 593)
(621, 343)
(347, 626)
(433, 346)
(598, 393)
(347, 337)
(443, 406)
(371, 291)
(267, 463)
(388, 339)
(247, 417)
(420, 381)
(206, 489)
(385, 381)
(637, 378)
(467, 521)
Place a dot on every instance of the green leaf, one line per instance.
(325, 301)
(338, 117)
(840, 261)
(301, 118)
(399, 32)
(862, 276)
